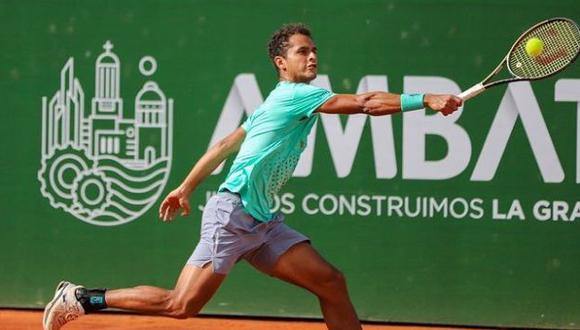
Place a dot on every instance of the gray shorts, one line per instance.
(229, 234)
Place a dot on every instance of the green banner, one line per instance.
(470, 219)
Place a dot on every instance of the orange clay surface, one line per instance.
(32, 320)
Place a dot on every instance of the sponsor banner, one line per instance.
(470, 219)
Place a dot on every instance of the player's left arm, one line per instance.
(179, 197)
(383, 103)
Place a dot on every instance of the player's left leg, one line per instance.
(288, 255)
(303, 266)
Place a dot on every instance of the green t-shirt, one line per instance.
(275, 137)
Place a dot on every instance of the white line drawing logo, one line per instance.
(103, 166)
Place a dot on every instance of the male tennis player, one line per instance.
(237, 222)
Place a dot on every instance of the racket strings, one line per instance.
(561, 41)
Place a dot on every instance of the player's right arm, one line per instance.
(383, 103)
(179, 198)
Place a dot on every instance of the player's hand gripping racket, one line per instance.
(542, 51)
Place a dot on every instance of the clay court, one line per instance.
(32, 320)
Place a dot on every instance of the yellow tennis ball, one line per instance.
(534, 47)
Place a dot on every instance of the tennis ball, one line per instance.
(534, 47)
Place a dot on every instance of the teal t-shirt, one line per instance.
(275, 137)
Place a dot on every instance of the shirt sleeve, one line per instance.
(308, 98)
(246, 125)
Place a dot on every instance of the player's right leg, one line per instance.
(214, 256)
(194, 288)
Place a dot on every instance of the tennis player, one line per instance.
(237, 223)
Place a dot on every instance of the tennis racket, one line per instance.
(561, 39)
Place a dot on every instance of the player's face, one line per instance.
(300, 64)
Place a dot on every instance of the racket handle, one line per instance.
(472, 92)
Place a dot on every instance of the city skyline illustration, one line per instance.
(97, 163)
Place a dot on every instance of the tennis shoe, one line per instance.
(63, 308)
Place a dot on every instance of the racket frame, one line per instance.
(485, 84)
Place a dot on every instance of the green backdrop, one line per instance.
(416, 243)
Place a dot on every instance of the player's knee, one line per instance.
(337, 280)
(181, 309)
(332, 282)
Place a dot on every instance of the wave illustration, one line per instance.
(102, 191)
(132, 192)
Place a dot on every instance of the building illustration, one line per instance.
(100, 144)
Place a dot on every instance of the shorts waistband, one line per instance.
(233, 196)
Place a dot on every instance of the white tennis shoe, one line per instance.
(63, 308)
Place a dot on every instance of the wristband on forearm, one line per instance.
(411, 102)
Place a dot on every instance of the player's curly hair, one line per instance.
(278, 45)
